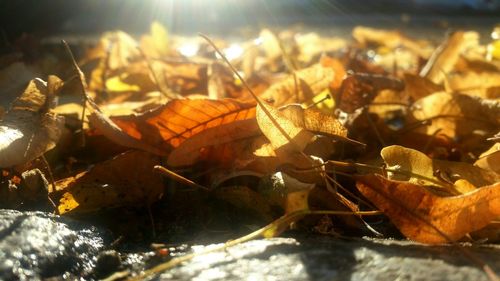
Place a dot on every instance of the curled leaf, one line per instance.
(426, 217)
(30, 127)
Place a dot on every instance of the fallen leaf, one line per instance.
(490, 159)
(427, 218)
(111, 184)
(418, 87)
(359, 89)
(156, 43)
(166, 127)
(446, 55)
(485, 85)
(292, 139)
(30, 127)
(415, 167)
(455, 115)
(301, 86)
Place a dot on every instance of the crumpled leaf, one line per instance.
(425, 217)
(112, 183)
(359, 89)
(301, 86)
(432, 171)
(293, 139)
(30, 127)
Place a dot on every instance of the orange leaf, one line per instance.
(170, 125)
(425, 217)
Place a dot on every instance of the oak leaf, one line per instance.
(426, 217)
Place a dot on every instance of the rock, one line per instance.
(327, 258)
(108, 262)
(37, 245)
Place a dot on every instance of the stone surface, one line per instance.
(327, 258)
(37, 245)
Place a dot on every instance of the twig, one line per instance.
(83, 84)
(166, 172)
(266, 231)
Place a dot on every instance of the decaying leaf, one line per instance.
(30, 127)
(112, 183)
(428, 218)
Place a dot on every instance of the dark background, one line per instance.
(63, 17)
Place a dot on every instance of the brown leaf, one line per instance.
(113, 183)
(412, 163)
(359, 89)
(455, 114)
(476, 84)
(418, 87)
(446, 55)
(427, 218)
(30, 127)
(301, 86)
(293, 138)
(490, 159)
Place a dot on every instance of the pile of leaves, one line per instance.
(323, 130)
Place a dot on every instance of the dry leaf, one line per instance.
(455, 115)
(485, 85)
(418, 87)
(359, 89)
(30, 127)
(113, 183)
(313, 120)
(427, 218)
(301, 86)
(166, 127)
(490, 159)
(156, 43)
(293, 139)
(415, 167)
(446, 56)
(193, 148)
